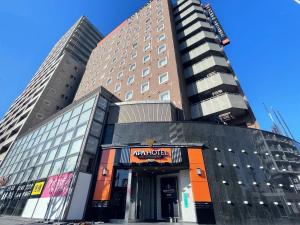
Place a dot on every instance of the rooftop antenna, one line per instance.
(287, 127)
(276, 128)
(281, 124)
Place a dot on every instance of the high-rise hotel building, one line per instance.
(159, 130)
(170, 52)
(53, 86)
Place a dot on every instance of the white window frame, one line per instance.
(148, 58)
(132, 67)
(128, 92)
(131, 76)
(120, 74)
(147, 47)
(160, 60)
(160, 27)
(163, 36)
(108, 81)
(117, 85)
(147, 37)
(146, 69)
(166, 74)
(163, 93)
(159, 51)
(133, 55)
(148, 87)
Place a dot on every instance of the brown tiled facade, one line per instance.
(137, 60)
(169, 50)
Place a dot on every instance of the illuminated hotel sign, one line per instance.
(151, 154)
(219, 30)
(142, 155)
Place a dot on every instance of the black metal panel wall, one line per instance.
(243, 191)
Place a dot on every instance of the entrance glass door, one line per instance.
(169, 197)
(143, 197)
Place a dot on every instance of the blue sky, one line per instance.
(264, 49)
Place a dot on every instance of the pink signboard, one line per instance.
(57, 185)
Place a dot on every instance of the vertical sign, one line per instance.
(219, 30)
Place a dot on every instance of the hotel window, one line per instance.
(108, 82)
(163, 78)
(145, 87)
(162, 62)
(133, 55)
(134, 45)
(145, 72)
(161, 48)
(160, 27)
(161, 37)
(159, 12)
(130, 79)
(160, 20)
(147, 37)
(122, 62)
(128, 95)
(132, 67)
(147, 47)
(146, 58)
(117, 87)
(120, 75)
(165, 96)
(147, 29)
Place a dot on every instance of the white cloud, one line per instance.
(297, 1)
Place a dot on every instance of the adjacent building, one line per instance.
(159, 130)
(53, 86)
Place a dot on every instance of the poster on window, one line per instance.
(57, 186)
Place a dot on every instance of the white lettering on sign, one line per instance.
(151, 154)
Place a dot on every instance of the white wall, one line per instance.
(186, 197)
(79, 198)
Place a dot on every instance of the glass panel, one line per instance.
(99, 115)
(44, 137)
(51, 155)
(70, 164)
(47, 145)
(19, 177)
(42, 158)
(33, 161)
(89, 104)
(77, 111)
(56, 167)
(63, 150)
(27, 174)
(80, 130)
(39, 149)
(75, 146)
(102, 103)
(35, 173)
(49, 125)
(68, 136)
(84, 117)
(45, 170)
(52, 132)
(57, 121)
(72, 123)
(61, 128)
(57, 141)
(66, 116)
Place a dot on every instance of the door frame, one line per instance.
(158, 194)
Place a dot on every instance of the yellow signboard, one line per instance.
(38, 187)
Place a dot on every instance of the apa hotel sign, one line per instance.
(215, 22)
(142, 155)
